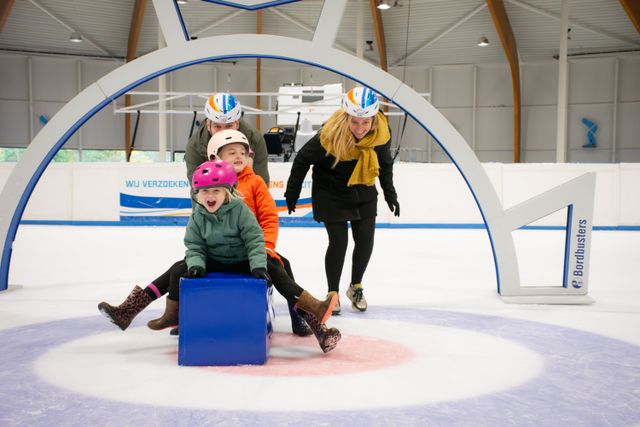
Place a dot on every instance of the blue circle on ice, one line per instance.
(587, 379)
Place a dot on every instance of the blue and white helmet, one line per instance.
(360, 102)
(223, 108)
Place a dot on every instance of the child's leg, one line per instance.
(162, 284)
(287, 265)
(138, 300)
(282, 281)
(298, 324)
(169, 280)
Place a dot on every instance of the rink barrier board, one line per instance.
(308, 224)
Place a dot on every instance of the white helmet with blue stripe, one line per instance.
(360, 102)
(223, 108)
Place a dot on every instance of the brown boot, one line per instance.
(168, 319)
(321, 310)
(327, 337)
(123, 314)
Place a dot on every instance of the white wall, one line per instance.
(606, 90)
(90, 192)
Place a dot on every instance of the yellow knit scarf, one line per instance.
(367, 168)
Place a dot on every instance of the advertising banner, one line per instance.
(154, 195)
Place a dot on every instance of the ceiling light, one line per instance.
(483, 41)
(384, 5)
(75, 38)
(183, 1)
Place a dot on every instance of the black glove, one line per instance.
(194, 272)
(394, 206)
(261, 273)
(291, 205)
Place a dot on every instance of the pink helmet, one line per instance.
(214, 173)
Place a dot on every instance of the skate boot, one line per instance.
(298, 325)
(336, 308)
(123, 314)
(354, 293)
(320, 309)
(327, 337)
(168, 319)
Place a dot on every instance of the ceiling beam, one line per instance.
(215, 22)
(508, 40)
(574, 23)
(449, 28)
(70, 28)
(5, 8)
(132, 47)
(632, 7)
(379, 31)
(303, 26)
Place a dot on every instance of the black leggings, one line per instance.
(169, 281)
(363, 232)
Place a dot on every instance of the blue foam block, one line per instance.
(225, 319)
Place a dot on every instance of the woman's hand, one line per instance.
(291, 205)
(394, 206)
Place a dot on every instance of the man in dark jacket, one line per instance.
(223, 111)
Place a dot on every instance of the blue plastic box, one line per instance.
(225, 319)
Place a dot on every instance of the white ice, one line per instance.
(63, 272)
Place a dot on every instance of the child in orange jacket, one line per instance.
(232, 146)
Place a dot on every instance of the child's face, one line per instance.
(236, 155)
(212, 198)
(360, 126)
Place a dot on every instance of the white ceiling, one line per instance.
(430, 32)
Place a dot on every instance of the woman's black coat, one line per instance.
(332, 199)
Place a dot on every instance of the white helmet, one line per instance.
(223, 108)
(360, 102)
(225, 137)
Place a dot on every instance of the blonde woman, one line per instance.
(348, 153)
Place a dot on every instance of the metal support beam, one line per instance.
(379, 31)
(258, 67)
(132, 47)
(632, 7)
(5, 8)
(563, 85)
(508, 40)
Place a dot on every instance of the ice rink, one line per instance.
(437, 346)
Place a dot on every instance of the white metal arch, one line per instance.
(499, 223)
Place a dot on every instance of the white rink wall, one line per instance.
(429, 194)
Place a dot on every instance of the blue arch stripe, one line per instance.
(6, 255)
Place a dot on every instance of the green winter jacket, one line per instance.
(196, 151)
(230, 235)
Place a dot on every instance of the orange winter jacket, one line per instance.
(258, 198)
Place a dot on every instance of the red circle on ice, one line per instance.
(291, 355)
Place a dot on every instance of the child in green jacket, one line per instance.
(222, 235)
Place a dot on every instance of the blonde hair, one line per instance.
(339, 138)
